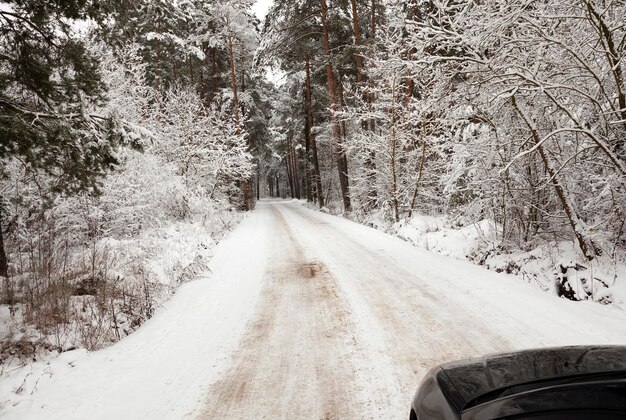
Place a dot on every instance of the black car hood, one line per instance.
(473, 378)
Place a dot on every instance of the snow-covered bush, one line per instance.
(88, 269)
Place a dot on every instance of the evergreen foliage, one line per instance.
(50, 85)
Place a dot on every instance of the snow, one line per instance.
(192, 49)
(140, 272)
(261, 7)
(403, 310)
(431, 233)
(161, 370)
(457, 309)
(478, 243)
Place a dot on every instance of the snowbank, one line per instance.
(161, 370)
(111, 289)
(543, 266)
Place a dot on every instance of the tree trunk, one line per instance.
(373, 20)
(613, 57)
(568, 207)
(340, 153)
(394, 149)
(270, 185)
(308, 189)
(233, 82)
(295, 172)
(213, 73)
(370, 159)
(245, 184)
(201, 81)
(410, 83)
(317, 181)
(308, 178)
(202, 90)
(357, 43)
(342, 125)
(419, 177)
(4, 266)
(191, 78)
(289, 174)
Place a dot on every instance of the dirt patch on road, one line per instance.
(295, 359)
(309, 270)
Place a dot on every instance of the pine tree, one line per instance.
(48, 83)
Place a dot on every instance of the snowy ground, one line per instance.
(305, 315)
(539, 266)
(148, 267)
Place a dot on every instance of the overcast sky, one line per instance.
(261, 7)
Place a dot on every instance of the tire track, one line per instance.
(420, 328)
(296, 358)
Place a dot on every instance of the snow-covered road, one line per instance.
(308, 315)
(350, 319)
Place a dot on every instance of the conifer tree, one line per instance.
(49, 82)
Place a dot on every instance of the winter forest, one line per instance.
(134, 135)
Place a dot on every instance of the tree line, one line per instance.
(509, 111)
(119, 120)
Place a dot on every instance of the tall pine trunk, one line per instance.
(308, 178)
(245, 184)
(370, 155)
(293, 163)
(393, 157)
(340, 153)
(317, 178)
(233, 82)
(4, 266)
(357, 43)
(290, 174)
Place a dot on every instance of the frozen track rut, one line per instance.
(295, 359)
